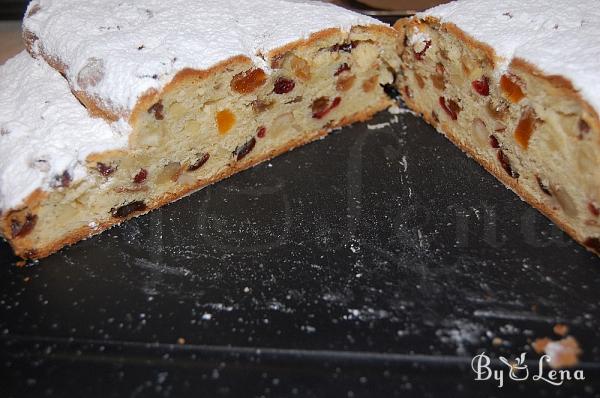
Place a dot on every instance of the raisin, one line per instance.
(419, 55)
(242, 150)
(593, 243)
(20, 229)
(141, 176)
(482, 87)
(157, 109)
(505, 163)
(343, 68)
(202, 159)
(61, 181)
(594, 209)
(435, 117)
(249, 81)
(262, 131)
(511, 90)
(407, 92)
(584, 128)
(525, 128)
(494, 142)
(283, 85)
(104, 169)
(451, 107)
(543, 187)
(345, 47)
(391, 91)
(300, 67)
(128, 209)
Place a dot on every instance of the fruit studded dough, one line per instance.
(129, 105)
(516, 85)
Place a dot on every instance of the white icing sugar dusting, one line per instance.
(44, 130)
(558, 37)
(126, 47)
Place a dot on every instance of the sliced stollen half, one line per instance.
(187, 92)
(516, 85)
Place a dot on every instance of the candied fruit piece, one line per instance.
(450, 107)
(225, 121)
(141, 176)
(345, 47)
(248, 81)
(511, 90)
(343, 68)
(283, 85)
(104, 169)
(482, 86)
(244, 149)
(370, 84)
(157, 109)
(345, 83)
(126, 210)
(300, 67)
(259, 106)
(202, 159)
(321, 106)
(419, 80)
(525, 128)
(20, 229)
(262, 131)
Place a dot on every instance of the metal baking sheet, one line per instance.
(375, 262)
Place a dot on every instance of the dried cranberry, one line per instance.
(104, 169)
(157, 109)
(129, 208)
(19, 229)
(199, 163)
(451, 107)
(482, 87)
(283, 85)
(391, 91)
(505, 162)
(261, 132)
(141, 176)
(545, 189)
(594, 209)
(242, 150)
(494, 142)
(343, 68)
(419, 55)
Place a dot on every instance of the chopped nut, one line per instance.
(91, 74)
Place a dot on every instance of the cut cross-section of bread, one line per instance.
(516, 86)
(185, 94)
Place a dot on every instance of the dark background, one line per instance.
(12, 9)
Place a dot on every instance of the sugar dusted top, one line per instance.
(44, 131)
(116, 50)
(558, 37)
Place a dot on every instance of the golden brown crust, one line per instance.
(23, 248)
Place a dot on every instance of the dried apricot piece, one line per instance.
(511, 90)
(225, 121)
(525, 128)
(248, 81)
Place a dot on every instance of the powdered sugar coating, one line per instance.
(558, 37)
(45, 131)
(142, 44)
